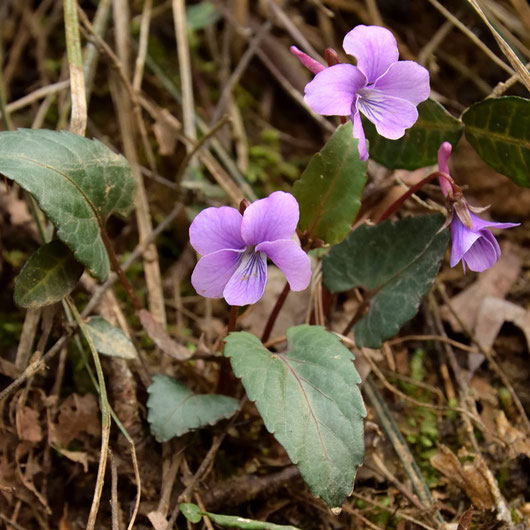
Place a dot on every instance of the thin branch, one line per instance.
(5, 113)
(506, 49)
(142, 46)
(240, 69)
(78, 118)
(188, 106)
(198, 145)
(466, 31)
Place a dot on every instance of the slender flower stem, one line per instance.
(227, 383)
(397, 204)
(274, 313)
(119, 271)
(361, 309)
(232, 320)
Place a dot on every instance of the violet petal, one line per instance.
(269, 219)
(332, 91)
(491, 238)
(481, 255)
(308, 61)
(479, 224)
(390, 115)
(287, 255)
(463, 239)
(212, 272)
(374, 47)
(247, 283)
(405, 80)
(358, 132)
(215, 229)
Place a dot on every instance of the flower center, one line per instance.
(250, 262)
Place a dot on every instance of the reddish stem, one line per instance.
(397, 204)
(274, 313)
(227, 382)
(119, 271)
(232, 319)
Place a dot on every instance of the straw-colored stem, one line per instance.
(3, 108)
(78, 118)
(105, 419)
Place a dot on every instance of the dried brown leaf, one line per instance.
(78, 415)
(160, 337)
(469, 477)
(517, 442)
(495, 282)
(27, 470)
(165, 136)
(75, 456)
(28, 426)
(465, 520)
(492, 314)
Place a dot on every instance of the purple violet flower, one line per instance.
(473, 243)
(235, 249)
(384, 89)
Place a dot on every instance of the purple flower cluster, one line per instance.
(382, 88)
(235, 249)
(235, 246)
(473, 243)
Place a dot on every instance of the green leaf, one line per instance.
(309, 399)
(48, 276)
(419, 146)
(191, 512)
(174, 409)
(499, 130)
(329, 192)
(194, 514)
(201, 15)
(110, 340)
(395, 263)
(77, 183)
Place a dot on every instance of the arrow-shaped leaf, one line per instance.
(395, 263)
(77, 183)
(309, 399)
(499, 130)
(174, 409)
(48, 276)
(329, 192)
